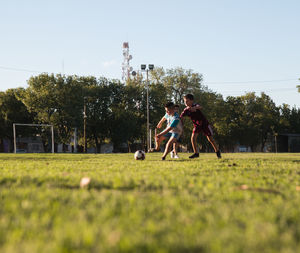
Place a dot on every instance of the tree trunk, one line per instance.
(96, 143)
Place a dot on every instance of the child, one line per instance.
(201, 124)
(172, 131)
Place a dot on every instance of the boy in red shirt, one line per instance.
(201, 124)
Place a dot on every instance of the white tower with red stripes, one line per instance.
(126, 69)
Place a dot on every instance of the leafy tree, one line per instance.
(249, 120)
(125, 121)
(98, 112)
(57, 100)
(228, 121)
(12, 110)
(119, 112)
(289, 119)
(268, 117)
(177, 82)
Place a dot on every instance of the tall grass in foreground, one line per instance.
(241, 203)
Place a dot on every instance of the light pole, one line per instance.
(144, 68)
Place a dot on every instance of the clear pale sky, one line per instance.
(238, 45)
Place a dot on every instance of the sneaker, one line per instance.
(172, 154)
(176, 156)
(163, 158)
(218, 153)
(195, 155)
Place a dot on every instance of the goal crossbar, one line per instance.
(42, 125)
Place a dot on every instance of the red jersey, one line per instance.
(197, 117)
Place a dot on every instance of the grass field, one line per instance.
(241, 203)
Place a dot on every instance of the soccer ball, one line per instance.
(139, 155)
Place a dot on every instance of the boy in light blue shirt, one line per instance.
(173, 130)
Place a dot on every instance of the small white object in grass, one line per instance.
(244, 187)
(84, 182)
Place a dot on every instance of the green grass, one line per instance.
(149, 206)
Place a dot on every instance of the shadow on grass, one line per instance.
(168, 248)
(260, 190)
(176, 161)
(43, 158)
(28, 182)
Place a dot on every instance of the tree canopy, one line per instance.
(116, 112)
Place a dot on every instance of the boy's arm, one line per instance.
(168, 129)
(196, 107)
(163, 119)
(173, 124)
(184, 113)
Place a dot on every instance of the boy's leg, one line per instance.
(213, 143)
(168, 146)
(174, 150)
(157, 143)
(208, 131)
(175, 146)
(194, 142)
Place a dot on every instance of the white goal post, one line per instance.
(42, 125)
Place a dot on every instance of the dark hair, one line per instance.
(169, 105)
(176, 106)
(189, 96)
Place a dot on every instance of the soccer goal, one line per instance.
(32, 125)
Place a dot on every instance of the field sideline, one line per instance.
(241, 203)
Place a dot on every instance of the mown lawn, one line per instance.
(241, 203)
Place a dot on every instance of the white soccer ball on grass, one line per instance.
(139, 155)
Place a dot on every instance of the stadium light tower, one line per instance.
(144, 68)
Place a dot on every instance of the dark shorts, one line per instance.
(205, 129)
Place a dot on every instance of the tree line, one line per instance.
(116, 112)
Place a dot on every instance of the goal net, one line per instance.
(38, 140)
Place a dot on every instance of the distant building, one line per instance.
(287, 143)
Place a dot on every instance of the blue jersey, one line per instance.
(175, 122)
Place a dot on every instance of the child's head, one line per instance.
(176, 108)
(188, 99)
(169, 107)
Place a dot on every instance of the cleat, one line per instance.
(218, 153)
(195, 155)
(163, 158)
(176, 156)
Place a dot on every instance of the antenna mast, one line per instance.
(126, 69)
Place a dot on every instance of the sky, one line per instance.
(237, 45)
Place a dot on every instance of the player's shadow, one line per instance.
(176, 160)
